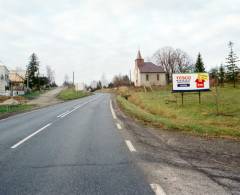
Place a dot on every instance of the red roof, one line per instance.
(149, 67)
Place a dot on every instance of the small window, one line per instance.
(147, 77)
(158, 77)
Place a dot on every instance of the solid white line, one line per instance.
(113, 113)
(119, 126)
(130, 146)
(157, 189)
(28, 137)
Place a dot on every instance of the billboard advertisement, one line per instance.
(190, 82)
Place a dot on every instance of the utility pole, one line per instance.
(27, 80)
(73, 78)
(130, 77)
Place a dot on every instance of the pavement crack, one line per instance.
(83, 165)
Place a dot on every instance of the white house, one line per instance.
(80, 86)
(147, 73)
(4, 80)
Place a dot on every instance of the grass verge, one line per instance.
(71, 94)
(9, 109)
(163, 109)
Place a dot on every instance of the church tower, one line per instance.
(139, 60)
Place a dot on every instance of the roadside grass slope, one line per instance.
(14, 108)
(164, 109)
(71, 94)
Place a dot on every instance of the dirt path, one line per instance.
(48, 98)
(184, 164)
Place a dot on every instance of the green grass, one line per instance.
(14, 108)
(33, 95)
(164, 109)
(71, 94)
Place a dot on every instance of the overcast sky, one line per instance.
(92, 37)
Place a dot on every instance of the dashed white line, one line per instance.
(28, 137)
(60, 115)
(75, 108)
(119, 126)
(113, 113)
(157, 189)
(130, 146)
(67, 113)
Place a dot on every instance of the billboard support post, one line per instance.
(199, 97)
(182, 98)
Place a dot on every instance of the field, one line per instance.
(71, 94)
(164, 109)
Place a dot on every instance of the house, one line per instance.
(80, 86)
(4, 81)
(148, 74)
(17, 86)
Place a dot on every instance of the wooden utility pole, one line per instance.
(73, 78)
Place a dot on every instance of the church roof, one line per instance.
(149, 67)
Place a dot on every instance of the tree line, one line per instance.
(228, 72)
(34, 79)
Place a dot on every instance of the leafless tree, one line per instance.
(66, 80)
(172, 60)
(104, 80)
(120, 80)
(183, 62)
(50, 74)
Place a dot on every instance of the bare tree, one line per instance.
(183, 62)
(50, 74)
(120, 80)
(104, 80)
(66, 80)
(172, 60)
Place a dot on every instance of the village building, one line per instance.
(148, 74)
(4, 81)
(17, 86)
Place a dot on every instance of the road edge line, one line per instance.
(130, 146)
(118, 126)
(113, 112)
(158, 190)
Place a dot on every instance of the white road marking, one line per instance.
(130, 146)
(62, 114)
(157, 189)
(75, 108)
(28, 137)
(119, 126)
(113, 112)
(66, 114)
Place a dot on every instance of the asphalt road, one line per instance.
(68, 148)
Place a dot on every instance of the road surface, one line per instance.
(68, 148)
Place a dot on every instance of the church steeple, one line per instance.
(139, 56)
(139, 60)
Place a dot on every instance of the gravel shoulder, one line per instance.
(48, 98)
(181, 163)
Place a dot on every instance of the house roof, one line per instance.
(149, 67)
(14, 77)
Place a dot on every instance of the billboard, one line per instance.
(190, 82)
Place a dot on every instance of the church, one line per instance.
(148, 74)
